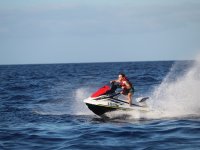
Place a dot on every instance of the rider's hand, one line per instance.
(112, 81)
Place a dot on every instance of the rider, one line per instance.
(126, 85)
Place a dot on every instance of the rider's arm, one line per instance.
(114, 81)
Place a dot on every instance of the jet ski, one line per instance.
(106, 99)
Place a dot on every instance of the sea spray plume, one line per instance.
(179, 95)
(79, 108)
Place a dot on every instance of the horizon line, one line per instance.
(93, 62)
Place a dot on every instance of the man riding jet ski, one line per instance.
(126, 85)
(106, 99)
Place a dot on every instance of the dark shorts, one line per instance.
(127, 91)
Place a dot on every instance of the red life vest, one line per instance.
(124, 80)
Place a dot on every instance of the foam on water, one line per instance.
(51, 107)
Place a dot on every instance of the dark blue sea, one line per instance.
(41, 107)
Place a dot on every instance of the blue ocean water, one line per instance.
(42, 106)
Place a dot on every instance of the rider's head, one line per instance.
(121, 76)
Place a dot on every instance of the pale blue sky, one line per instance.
(70, 31)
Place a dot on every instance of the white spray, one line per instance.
(179, 97)
(79, 108)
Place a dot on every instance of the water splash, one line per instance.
(179, 94)
(79, 107)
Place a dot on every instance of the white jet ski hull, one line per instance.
(100, 106)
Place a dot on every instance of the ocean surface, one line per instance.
(41, 107)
